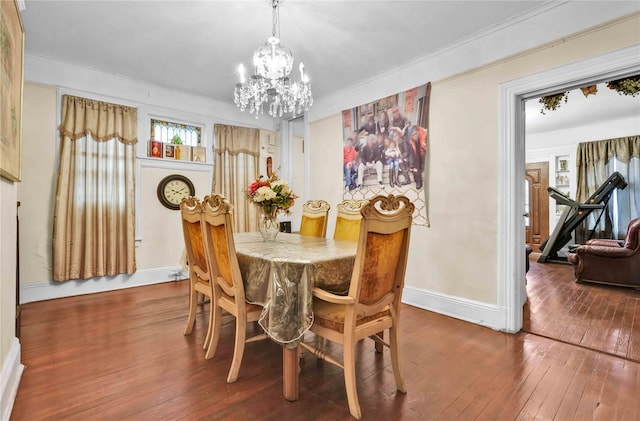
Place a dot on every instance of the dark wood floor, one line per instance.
(121, 355)
(605, 318)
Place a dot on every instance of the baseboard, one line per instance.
(47, 290)
(10, 380)
(460, 308)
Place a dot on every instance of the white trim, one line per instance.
(175, 165)
(113, 88)
(47, 290)
(547, 153)
(461, 308)
(10, 379)
(613, 65)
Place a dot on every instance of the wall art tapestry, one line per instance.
(386, 149)
(11, 71)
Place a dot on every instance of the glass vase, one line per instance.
(269, 224)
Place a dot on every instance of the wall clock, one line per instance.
(173, 188)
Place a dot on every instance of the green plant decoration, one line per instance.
(627, 86)
(553, 102)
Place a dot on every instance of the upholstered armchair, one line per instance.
(372, 304)
(610, 261)
(199, 276)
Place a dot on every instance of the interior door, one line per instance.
(537, 202)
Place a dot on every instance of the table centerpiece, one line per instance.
(271, 195)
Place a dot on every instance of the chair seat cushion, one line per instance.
(254, 308)
(331, 315)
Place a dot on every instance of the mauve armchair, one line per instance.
(610, 261)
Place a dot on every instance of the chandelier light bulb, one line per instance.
(241, 71)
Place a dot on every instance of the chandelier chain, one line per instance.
(275, 19)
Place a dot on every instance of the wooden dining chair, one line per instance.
(226, 279)
(348, 220)
(373, 302)
(315, 218)
(199, 275)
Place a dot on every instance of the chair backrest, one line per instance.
(381, 259)
(632, 240)
(348, 219)
(191, 213)
(314, 218)
(217, 223)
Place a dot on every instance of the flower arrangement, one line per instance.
(271, 194)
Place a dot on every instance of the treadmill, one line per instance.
(573, 215)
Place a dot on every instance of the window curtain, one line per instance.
(596, 161)
(93, 226)
(237, 150)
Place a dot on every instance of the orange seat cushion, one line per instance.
(331, 315)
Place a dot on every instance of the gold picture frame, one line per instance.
(11, 77)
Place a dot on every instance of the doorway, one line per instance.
(293, 163)
(536, 204)
(511, 177)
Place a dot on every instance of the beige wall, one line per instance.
(8, 198)
(457, 254)
(37, 190)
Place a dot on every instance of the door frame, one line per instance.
(511, 163)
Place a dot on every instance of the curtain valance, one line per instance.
(623, 148)
(235, 140)
(102, 120)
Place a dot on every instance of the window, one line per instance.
(169, 132)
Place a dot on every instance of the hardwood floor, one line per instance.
(600, 317)
(121, 355)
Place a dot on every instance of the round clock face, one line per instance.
(173, 188)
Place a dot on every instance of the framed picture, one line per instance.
(199, 154)
(155, 149)
(169, 150)
(11, 76)
(183, 152)
(564, 165)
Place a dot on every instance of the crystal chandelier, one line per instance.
(270, 84)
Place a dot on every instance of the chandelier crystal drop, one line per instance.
(270, 85)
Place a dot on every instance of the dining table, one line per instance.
(280, 276)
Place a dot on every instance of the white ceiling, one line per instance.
(196, 46)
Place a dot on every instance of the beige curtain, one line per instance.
(594, 165)
(237, 150)
(93, 227)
